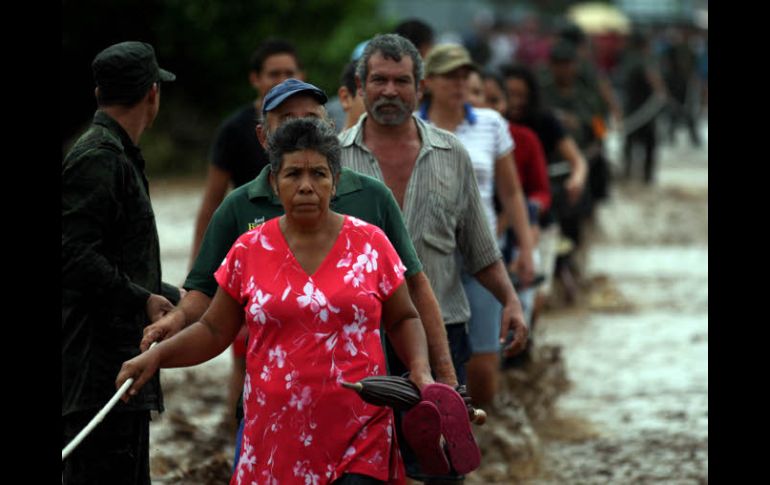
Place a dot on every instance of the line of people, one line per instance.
(441, 211)
(460, 182)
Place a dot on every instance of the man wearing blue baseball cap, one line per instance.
(254, 203)
(288, 88)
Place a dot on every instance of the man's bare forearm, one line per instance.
(427, 306)
(217, 183)
(193, 306)
(189, 310)
(495, 279)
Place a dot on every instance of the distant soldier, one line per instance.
(641, 81)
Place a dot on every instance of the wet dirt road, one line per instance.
(637, 351)
(619, 392)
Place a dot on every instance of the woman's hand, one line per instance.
(140, 368)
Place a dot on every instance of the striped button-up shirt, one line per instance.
(484, 133)
(442, 210)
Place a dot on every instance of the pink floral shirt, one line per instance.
(307, 333)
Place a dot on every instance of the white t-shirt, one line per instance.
(484, 133)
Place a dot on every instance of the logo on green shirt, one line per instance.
(257, 222)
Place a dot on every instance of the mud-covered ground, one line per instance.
(616, 392)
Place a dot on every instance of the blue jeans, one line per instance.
(486, 311)
(238, 442)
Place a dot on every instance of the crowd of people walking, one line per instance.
(418, 225)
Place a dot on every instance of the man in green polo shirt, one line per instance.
(254, 203)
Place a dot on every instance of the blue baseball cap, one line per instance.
(358, 51)
(290, 87)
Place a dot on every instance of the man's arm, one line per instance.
(199, 343)
(427, 306)
(200, 282)
(579, 168)
(495, 279)
(189, 310)
(610, 98)
(515, 211)
(217, 183)
(652, 73)
(407, 336)
(90, 203)
(171, 292)
(483, 259)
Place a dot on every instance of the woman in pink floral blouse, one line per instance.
(313, 286)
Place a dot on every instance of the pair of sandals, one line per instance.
(441, 412)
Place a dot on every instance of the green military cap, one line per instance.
(126, 71)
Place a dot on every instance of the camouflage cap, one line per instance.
(447, 57)
(126, 70)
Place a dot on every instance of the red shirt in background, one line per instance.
(531, 165)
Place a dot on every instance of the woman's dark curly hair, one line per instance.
(533, 109)
(304, 134)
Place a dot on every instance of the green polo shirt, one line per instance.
(254, 203)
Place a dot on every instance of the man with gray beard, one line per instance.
(431, 177)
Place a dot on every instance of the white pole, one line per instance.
(98, 418)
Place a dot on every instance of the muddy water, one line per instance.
(637, 350)
(190, 442)
(616, 392)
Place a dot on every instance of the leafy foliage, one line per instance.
(207, 44)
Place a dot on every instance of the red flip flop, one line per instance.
(422, 430)
(464, 453)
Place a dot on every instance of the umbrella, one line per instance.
(394, 391)
(599, 18)
(401, 394)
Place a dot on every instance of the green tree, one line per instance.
(207, 44)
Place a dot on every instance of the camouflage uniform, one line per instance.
(110, 266)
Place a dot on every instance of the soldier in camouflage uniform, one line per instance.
(111, 274)
(581, 109)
